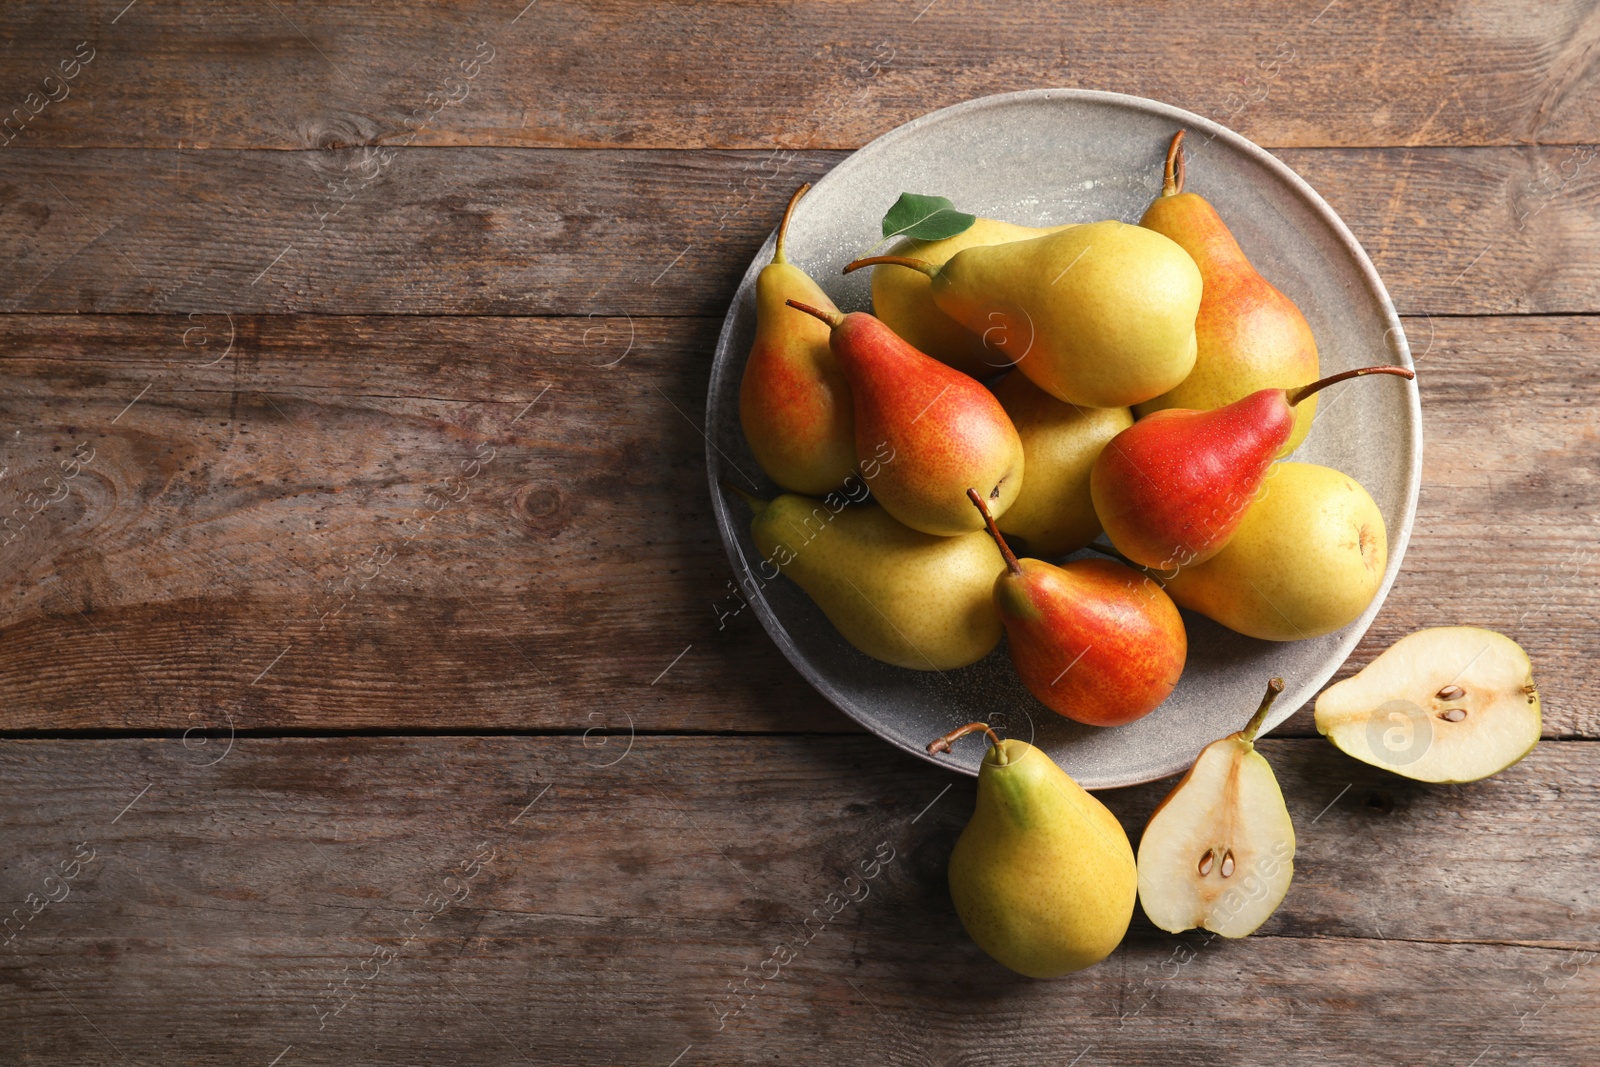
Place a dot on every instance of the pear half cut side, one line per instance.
(1446, 704)
(1218, 853)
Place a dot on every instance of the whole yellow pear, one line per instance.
(904, 298)
(1100, 314)
(1054, 513)
(1307, 558)
(1043, 877)
(901, 596)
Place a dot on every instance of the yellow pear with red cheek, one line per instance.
(932, 430)
(794, 401)
(1093, 640)
(1248, 334)
(1171, 489)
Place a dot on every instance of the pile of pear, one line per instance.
(1045, 387)
(1044, 878)
(1038, 388)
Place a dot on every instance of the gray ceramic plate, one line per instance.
(1052, 156)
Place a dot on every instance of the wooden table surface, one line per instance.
(372, 680)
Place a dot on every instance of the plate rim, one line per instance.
(1399, 539)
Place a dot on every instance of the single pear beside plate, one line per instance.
(1219, 851)
(1043, 877)
(900, 596)
(904, 299)
(1447, 704)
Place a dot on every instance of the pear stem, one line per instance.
(757, 505)
(783, 227)
(994, 531)
(832, 318)
(1297, 395)
(942, 744)
(1248, 734)
(923, 265)
(1173, 183)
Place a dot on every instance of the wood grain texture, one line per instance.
(612, 906)
(339, 393)
(801, 75)
(373, 504)
(496, 231)
(280, 500)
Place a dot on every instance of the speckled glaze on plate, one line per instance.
(1064, 155)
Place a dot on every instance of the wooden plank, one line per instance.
(358, 523)
(1471, 231)
(272, 513)
(809, 74)
(455, 232)
(487, 231)
(540, 906)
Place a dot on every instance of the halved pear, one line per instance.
(1219, 851)
(1447, 704)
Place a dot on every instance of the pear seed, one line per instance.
(1227, 864)
(1206, 861)
(1453, 715)
(1451, 692)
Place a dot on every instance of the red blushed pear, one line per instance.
(794, 402)
(1095, 641)
(1248, 335)
(929, 431)
(1172, 488)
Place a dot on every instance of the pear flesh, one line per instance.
(1043, 877)
(904, 300)
(1307, 559)
(1218, 853)
(1101, 315)
(901, 596)
(1447, 704)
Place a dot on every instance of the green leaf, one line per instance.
(925, 218)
